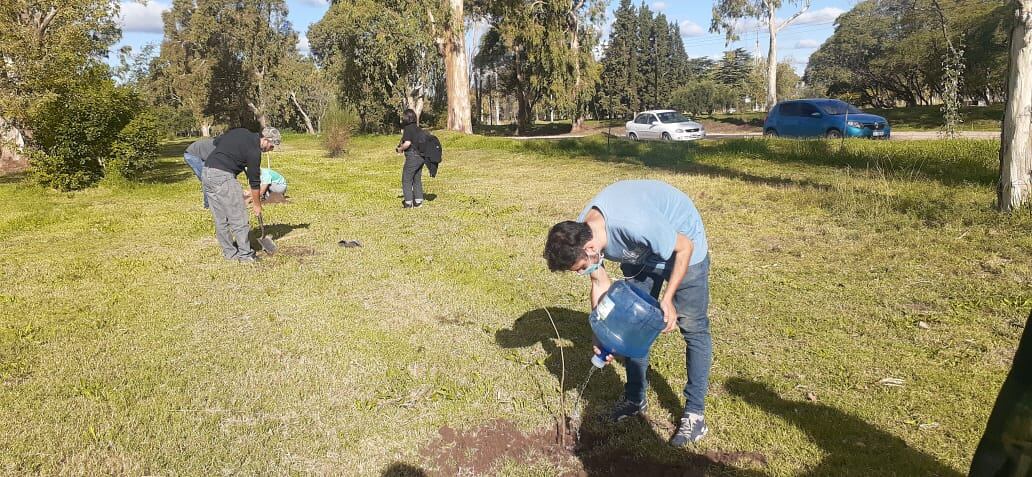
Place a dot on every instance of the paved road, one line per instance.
(900, 135)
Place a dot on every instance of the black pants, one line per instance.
(1006, 447)
(412, 177)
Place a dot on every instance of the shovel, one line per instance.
(267, 244)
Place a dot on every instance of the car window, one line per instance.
(836, 107)
(642, 119)
(807, 109)
(790, 109)
(673, 117)
(652, 118)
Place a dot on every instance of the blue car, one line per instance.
(829, 118)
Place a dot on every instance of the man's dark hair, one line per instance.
(408, 117)
(565, 244)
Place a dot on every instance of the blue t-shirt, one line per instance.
(270, 176)
(643, 218)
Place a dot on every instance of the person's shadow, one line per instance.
(400, 469)
(630, 447)
(852, 446)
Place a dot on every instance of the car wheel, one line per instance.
(770, 133)
(632, 136)
(666, 137)
(833, 134)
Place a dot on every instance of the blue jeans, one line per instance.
(197, 164)
(692, 303)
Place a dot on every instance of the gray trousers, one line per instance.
(232, 224)
(412, 177)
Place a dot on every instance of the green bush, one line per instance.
(74, 130)
(337, 127)
(135, 151)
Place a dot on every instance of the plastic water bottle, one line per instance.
(626, 322)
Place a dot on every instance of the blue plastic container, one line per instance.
(626, 322)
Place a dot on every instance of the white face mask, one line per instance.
(591, 268)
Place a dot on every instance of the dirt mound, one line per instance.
(477, 451)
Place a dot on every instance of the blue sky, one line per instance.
(141, 24)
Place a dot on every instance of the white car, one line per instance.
(666, 124)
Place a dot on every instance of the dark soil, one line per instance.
(477, 451)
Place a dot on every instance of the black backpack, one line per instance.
(430, 148)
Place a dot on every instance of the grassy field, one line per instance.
(129, 347)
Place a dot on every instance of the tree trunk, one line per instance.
(263, 120)
(524, 113)
(772, 60)
(304, 115)
(456, 67)
(1015, 186)
(205, 129)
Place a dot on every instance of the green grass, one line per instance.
(127, 346)
(919, 118)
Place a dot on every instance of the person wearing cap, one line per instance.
(238, 150)
(196, 153)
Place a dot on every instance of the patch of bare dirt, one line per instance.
(727, 127)
(297, 251)
(478, 451)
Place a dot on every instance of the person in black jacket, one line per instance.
(236, 151)
(412, 171)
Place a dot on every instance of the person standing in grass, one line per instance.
(196, 153)
(412, 170)
(236, 151)
(655, 232)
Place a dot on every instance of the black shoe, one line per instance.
(406, 205)
(419, 203)
(626, 408)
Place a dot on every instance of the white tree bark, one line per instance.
(1015, 186)
(456, 68)
(772, 53)
(304, 115)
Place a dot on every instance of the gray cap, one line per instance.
(273, 135)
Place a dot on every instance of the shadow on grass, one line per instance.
(429, 197)
(549, 129)
(14, 177)
(630, 447)
(852, 446)
(399, 469)
(673, 157)
(278, 231)
(169, 171)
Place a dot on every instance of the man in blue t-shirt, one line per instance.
(654, 231)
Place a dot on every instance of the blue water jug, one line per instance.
(626, 322)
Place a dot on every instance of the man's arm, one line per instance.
(404, 146)
(600, 284)
(682, 257)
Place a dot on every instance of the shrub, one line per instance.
(337, 127)
(73, 132)
(135, 151)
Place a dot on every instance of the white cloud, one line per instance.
(659, 6)
(303, 46)
(823, 15)
(805, 44)
(690, 29)
(315, 3)
(135, 17)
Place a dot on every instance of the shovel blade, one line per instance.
(268, 245)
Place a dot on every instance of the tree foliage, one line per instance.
(892, 51)
(644, 60)
(380, 55)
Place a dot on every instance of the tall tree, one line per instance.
(582, 20)
(181, 74)
(379, 56)
(47, 46)
(728, 13)
(450, 38)
(620, 75)
(1015, 186)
